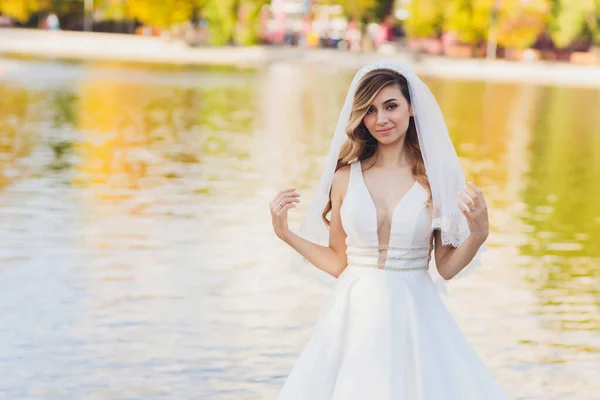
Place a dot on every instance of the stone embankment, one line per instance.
(140, 49)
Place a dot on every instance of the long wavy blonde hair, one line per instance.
(361, 145)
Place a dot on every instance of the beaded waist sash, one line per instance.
(389, 257)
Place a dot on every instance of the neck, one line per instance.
(392, 155)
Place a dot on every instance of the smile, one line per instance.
(384, 130)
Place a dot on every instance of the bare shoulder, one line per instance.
(341, 178)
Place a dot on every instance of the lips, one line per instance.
(384, 130)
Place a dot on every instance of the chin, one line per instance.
(389, 139)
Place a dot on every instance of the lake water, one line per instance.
(136, 253)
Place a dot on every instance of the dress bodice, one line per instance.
(410, 227)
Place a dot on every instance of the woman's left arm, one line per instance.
(451, 260)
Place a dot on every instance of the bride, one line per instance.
(392, 192)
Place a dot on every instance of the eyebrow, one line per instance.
(388, 101)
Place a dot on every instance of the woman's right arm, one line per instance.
(332, 258)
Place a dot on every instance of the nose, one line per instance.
(382, 118)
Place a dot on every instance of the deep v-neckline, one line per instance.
(394, 210)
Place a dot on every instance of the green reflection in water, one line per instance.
(562, 209)
(63, 105)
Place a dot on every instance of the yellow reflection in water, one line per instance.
(20, 114)
(134, 135)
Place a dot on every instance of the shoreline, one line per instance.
(86, 46)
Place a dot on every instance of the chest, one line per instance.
(400, 217)
(386, 191)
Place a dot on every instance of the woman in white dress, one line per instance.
(392, 192)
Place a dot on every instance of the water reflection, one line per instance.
(20, 117)
(563, 223)
(138, 258)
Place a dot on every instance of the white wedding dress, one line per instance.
(384, 333)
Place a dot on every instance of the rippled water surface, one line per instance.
(136, 253)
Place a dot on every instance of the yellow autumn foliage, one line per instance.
(520, 22)
(21, 9)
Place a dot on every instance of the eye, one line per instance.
(392, 107)
(370, 110)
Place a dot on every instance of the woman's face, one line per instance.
(388, 116)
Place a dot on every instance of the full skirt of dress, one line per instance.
(387, 335)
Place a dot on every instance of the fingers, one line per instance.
(466, 200)
(285, 191)
(464, 208)
(278, 211)
(288, 198)
(285, 200)
(471, 192)
(474, 187)
(286, 207)
(475, 195)
(292, 195)
(471, 200)
(281, 194)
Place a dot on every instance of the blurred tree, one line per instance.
(383, 8)
(425, 18)
(160, 13)
(247, 25)
(233, 21)
(28, 11)
(221, 16)
(575, 19)
(112, 9)
(520, 22)
(468, 20)
(228, 20)
(358, 8)
(20, 9)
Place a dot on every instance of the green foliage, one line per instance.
(358, 8)
(518, 22)
(115, 10)
(232, 21)
(246, 28)
(361, 9)
(469, 20)
(221, 17)
(575, 18)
